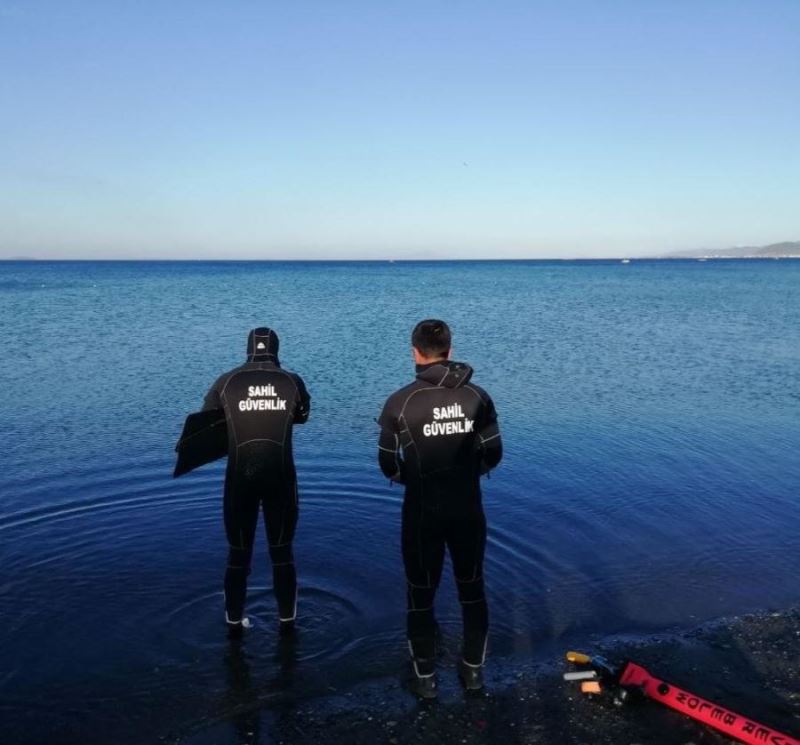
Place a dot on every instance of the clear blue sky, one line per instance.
(396, 128)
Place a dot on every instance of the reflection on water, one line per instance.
(247, 695)
(651, 422)
(242, 700)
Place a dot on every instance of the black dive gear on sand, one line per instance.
(261, 402)
(438, 435)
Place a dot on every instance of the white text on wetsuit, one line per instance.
(262, 398)
(457, 423)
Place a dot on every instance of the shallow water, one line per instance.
(651, 419)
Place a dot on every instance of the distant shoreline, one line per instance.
(783, 250)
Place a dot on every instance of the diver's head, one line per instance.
(262, 345)
(430, 341)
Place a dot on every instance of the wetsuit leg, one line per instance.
(423, 556)
(240, 506)
(280, 518)
(466, 540)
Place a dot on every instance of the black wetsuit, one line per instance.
(438, 435)
(261, 403)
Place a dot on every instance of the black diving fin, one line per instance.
(204, 439)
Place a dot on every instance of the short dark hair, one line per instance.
(432, 337)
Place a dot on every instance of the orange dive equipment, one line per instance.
(634, 679)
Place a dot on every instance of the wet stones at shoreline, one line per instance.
(750, 664)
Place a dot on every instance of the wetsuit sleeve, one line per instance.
(213, 399)
(303, 406)
(491, 444)
(389, 454)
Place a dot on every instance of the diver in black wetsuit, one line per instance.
(438, 435)
(261, 403)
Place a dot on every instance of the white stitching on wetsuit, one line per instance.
(483, 656)
(470, 387)
(411, 395)
(397, 453)
(283, 524)
(260, 439)
(294, 608)
(414, 663)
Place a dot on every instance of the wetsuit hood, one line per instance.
(262, 345)
(446, 374)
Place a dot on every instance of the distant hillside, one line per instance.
(788, 249)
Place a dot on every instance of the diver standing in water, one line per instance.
(261, 402)
(439, 434)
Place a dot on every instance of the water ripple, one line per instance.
(650, 478)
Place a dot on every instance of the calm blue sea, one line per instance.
(651, 416)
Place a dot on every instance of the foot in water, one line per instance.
(236, 628)
(471, 676)
(423, 677)
(424, 687)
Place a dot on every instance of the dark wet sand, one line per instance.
(750, 664)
